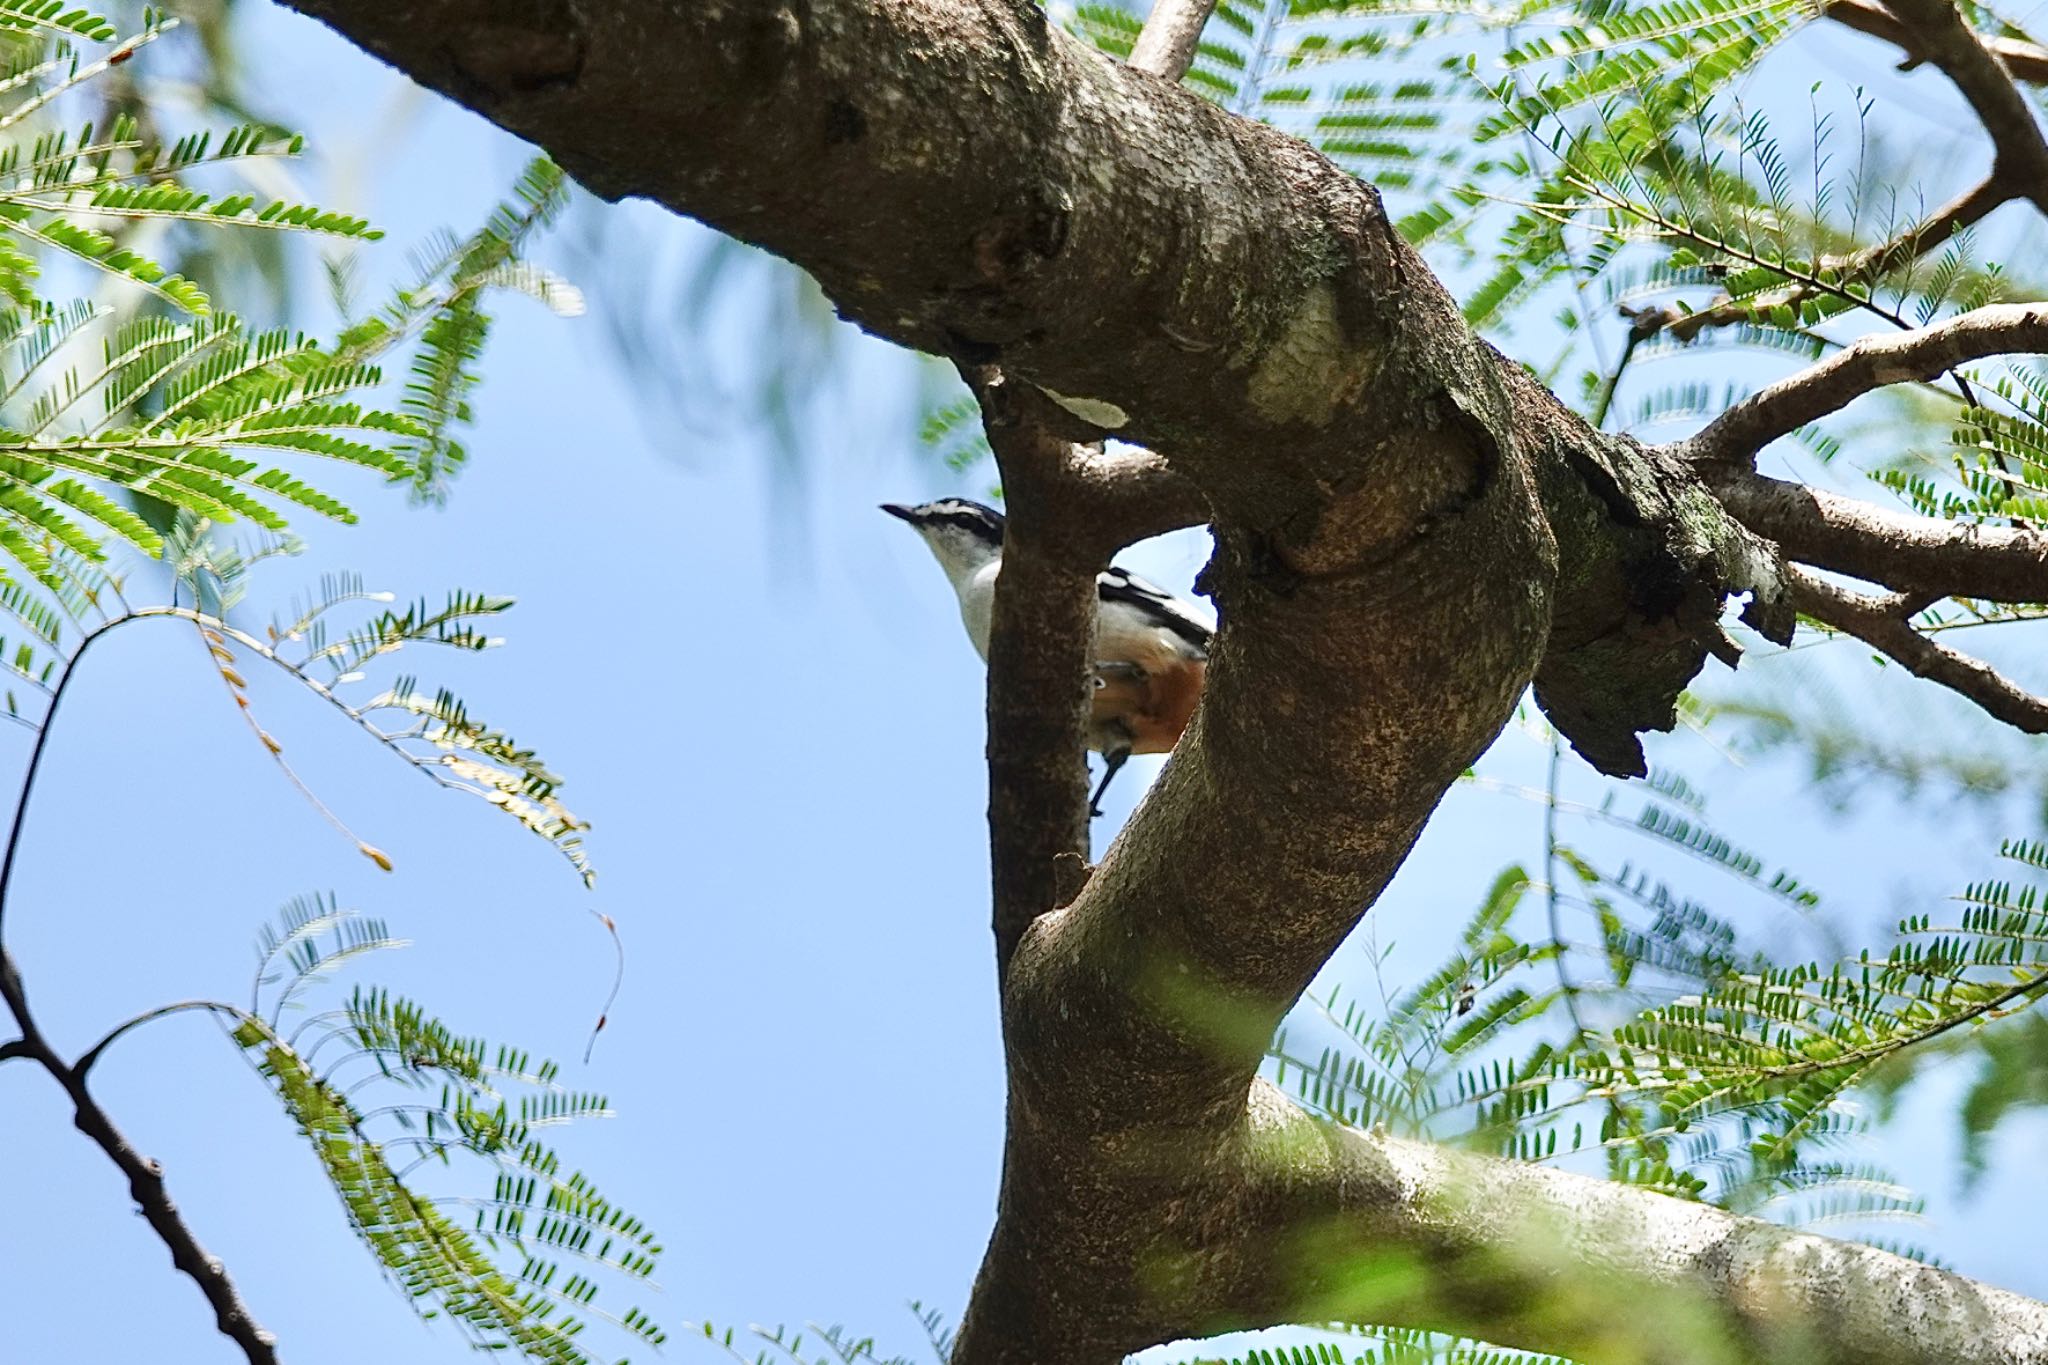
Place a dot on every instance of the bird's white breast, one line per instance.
(978, 602)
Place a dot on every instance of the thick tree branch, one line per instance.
(2026, 61)
(1921, 555)
(145, 1181)
(1884, 623)
(1609, 1272)
(1130, 494)
(1195, 283)
(1946, 40)
(1409, 529)
(1871, 363)
(965, 178)
(1070, 507)
(1040, 665)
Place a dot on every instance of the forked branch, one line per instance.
(1885, 624)
(1946, 40)
(145, 1179)
(2026, 61)
(1040, 669)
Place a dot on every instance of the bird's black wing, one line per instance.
(1156, 603)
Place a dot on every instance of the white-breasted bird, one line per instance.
(1151, 649)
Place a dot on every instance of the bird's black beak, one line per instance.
(897, 509)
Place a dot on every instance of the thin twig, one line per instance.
(1884, 623)
(90, 1057)
(1568, 987)
(35, 763)
(618, 980)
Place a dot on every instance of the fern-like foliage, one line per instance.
(1593, 166)
(1711, 1070)
(433, 732)
(1385, 1346)
(318, 647)
(184, 408)
(380, 1089)
(444, 305)
(1789, 1042)
(812, 1345)
(1529, 1041)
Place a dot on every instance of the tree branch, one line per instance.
(1946, 40)
(1395, 507)
(1866, 266)
(1610, 1272)
(1131, 494)
(2026, 61)
(1884, 624)
(1040, 664)
(1166, 45)
(1070, 507)
(82, 1068)
(1871, 363)
(145, 1182)
(1009, 197)
(1920, 555)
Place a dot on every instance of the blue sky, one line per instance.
(765, 704)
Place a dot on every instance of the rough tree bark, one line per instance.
(1409, 533)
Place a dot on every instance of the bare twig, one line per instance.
(35, 764)
(1883, 623)
(90, 1057)
(618, 980)
(1872, 363)
(145, 1177)
(1166, 45)
(145, 1180)
(1898, 550)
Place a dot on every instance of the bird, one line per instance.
(1151, 648)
